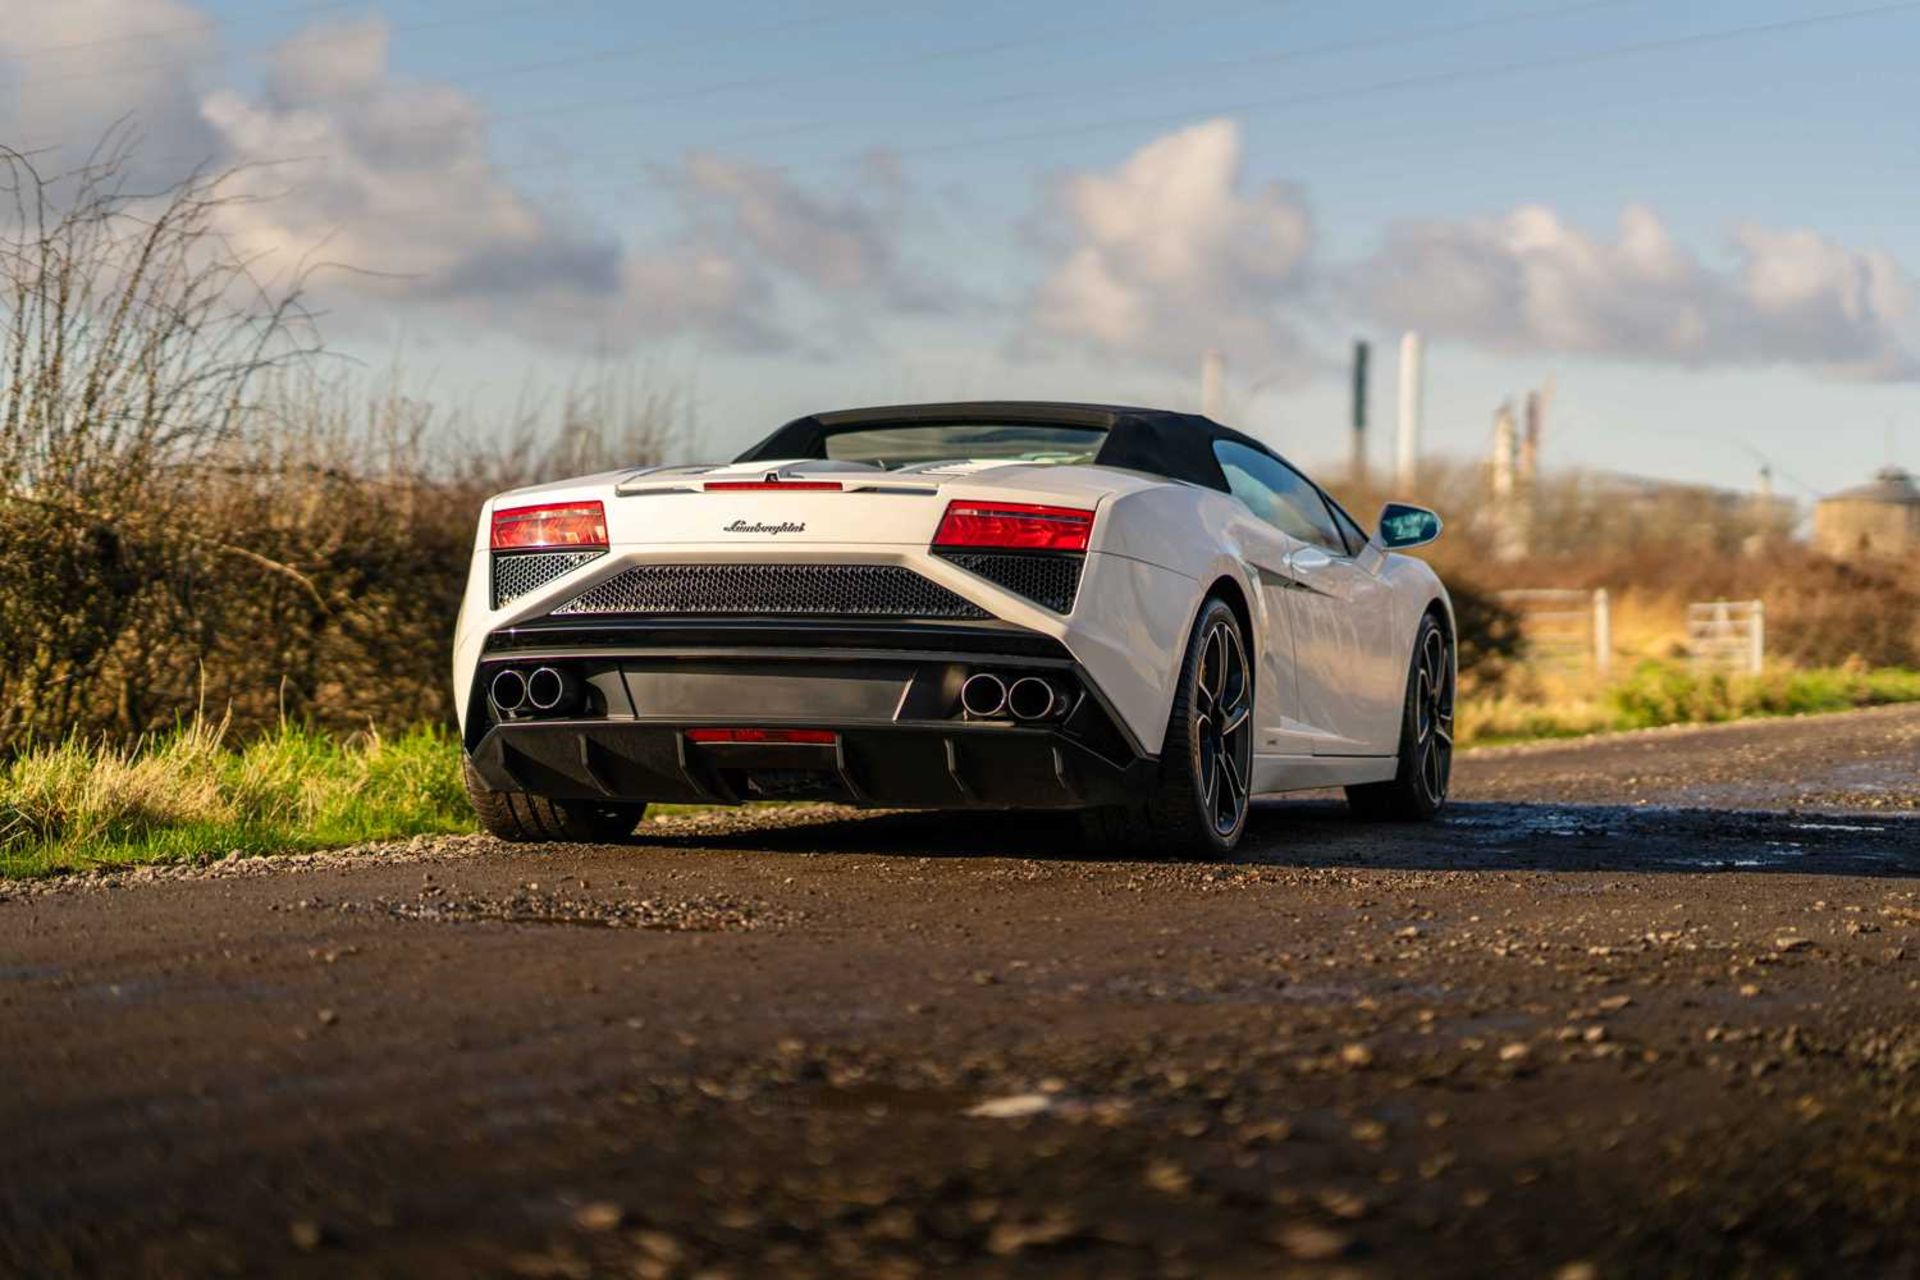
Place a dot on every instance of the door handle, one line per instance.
(1308, 559)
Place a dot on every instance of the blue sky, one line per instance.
(946, 171)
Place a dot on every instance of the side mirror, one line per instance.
(1402, 526)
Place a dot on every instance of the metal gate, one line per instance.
(1728, 633)
(1564, 627)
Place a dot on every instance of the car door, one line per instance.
(1339, 612)
(1264, 549)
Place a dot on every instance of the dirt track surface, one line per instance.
(1570, 1031)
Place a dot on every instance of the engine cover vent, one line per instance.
(747, 590)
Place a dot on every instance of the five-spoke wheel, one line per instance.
(1197, 804)
(1222, 733)
(1418, 788)
(1433, 716)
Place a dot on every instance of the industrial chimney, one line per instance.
(1357, 462)
(1213, 384)
(1412, 392)
(1530, 439)
(1505, 443)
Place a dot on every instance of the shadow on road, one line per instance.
(1321, 833)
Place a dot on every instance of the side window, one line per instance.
(1355, 535)
(1279, 495)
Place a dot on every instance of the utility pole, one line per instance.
(1357, 461)
(1213, 383)
(1412, 393)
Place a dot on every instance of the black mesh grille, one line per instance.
(1048, 580)
(515, 574)
(826, 590)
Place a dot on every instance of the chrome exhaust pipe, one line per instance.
(1032, 698)
(549, 689)
(984, 695)
(508, 690)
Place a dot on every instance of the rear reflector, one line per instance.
(817, 737)
(1020, 526)
(788, 486)
(558, 524)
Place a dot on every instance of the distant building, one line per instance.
(1879, 518)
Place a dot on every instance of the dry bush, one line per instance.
(192, 515)
(130, 356)
(1657, 549)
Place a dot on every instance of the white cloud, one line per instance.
(1529, 281)
(1170, 252)
(70, 70)
(844, 246)
(1167, 255)
(836, 245)
(392, 181)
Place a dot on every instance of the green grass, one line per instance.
(1665, 693)
(192, 796)
(188, 796)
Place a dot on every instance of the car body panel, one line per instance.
(1331, 636)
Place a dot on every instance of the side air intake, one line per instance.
(1049, 580)
(520, 573)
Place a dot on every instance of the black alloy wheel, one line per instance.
(1197, 805)
(1222, 729)
(1418, 789)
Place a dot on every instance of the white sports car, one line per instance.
(1142, 615)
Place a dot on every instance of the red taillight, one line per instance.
(713, 486)
(557, 524)
(1022, 526)
(818, 737)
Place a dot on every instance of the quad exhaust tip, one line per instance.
(984, 695)
(541, 691)
(548, 688)
(988, 696)
(1032, 698)
(508, 690)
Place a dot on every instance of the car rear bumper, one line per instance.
(888, 695)
(903, 767)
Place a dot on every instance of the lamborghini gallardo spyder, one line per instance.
(1140, 615)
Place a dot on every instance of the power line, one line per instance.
(1332, 48)
(1430, 79)
(950, 53)
(1344, 93)
(206, 24)
(518, 6)
(1306, 54)
(786, 131)
(763, 82)
(1254, 106)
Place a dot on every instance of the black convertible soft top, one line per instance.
(1156, 441)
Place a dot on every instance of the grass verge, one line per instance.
(190, 795)
(1665, 693)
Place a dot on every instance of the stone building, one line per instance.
(1879, 518)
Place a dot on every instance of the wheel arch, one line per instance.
(1440, 609)
(1228, 588)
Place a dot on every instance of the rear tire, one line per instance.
(530, 819)
(1418, 790)
(1198, 803)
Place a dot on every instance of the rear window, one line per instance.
(908, 446)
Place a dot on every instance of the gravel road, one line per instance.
(1639, 1006)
